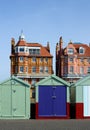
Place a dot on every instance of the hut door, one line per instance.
(45, 101)
(52, 100)
(18, 101)
(59, 100)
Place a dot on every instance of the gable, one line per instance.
(83, 82)
(52, 80)
(15, 81)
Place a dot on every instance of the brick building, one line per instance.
(30, 61)
(73, 61)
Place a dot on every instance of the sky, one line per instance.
(42, 21)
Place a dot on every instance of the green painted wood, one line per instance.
(6, 109)
(18, 100)
(14, 99)
(79, 88)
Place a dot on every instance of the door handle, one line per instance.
(14, 90)
(53, 97)
(14, 109)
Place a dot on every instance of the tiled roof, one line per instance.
(44, 51)
(21, 43)
(85, 46)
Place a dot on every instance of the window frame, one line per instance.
(71, 69)
(33, 59)
(33, 69)
(81, 49)
(21, 58)
(21, 69)
(70, 51)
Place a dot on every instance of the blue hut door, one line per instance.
(52, 100)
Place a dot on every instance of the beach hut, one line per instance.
(52, 98)
(82, 99)
(14, 99)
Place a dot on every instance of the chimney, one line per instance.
(61, 44)
(12, 46)
(48, 47)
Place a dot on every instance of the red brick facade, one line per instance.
(73, 61)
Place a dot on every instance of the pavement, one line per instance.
(71, 124)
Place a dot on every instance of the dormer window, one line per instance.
(70, 51)
(34, 51)
(21, 49)
(81, 50)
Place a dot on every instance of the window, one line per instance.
(34, 51)
(70, 51)
(26, 58)
(81, 59)
(88, 70)
(71, 59)
(21, 49)
(71, 69)
(46, 69)
(34, 59)
(16, 49)
(34, 69)
(46, 59)
(81, 70)
(41, 69)
(88, 60)
(21, 69)
(41, 59)
(81, 50)
(26, 69)
(21, 58)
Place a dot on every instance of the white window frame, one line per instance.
(41, 59)
(16, 49)
(34, 69)
(26, 69)
(46, 59)
(71, 69)
(21, 58)
(21, 50)
(33, 59)
(41, 69)
(46, 69)
(70, 51)
(81, 49)
(81, 70)
(88, 70)
(70, 59)
(21, 69)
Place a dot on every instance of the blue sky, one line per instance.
(42, 21)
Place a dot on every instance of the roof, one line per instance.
(16, 79)
(82, 81)
(21, 43)
(53, 78)
(77, 46)
(85, 46)
(43, 52)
